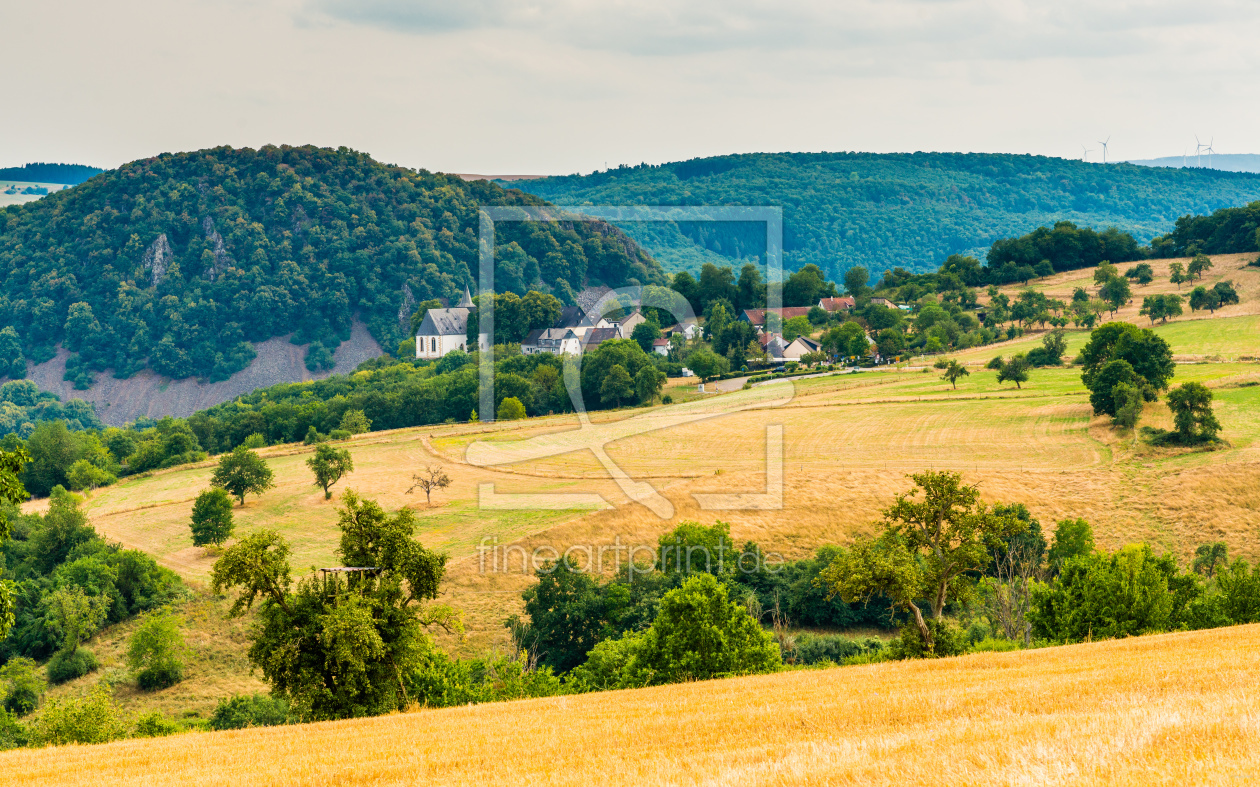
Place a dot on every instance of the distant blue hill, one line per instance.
(69, 174)
(1227, 162)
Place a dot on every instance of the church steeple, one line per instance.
(467, 302)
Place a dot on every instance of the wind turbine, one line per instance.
(1104, 144)
(1210, 151)
(1198, 151)
(1183, 158)
(1085, 153)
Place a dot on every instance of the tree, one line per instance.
(155, 651)
(568, 613)
(12, 362)
(1144, 350)
(1198, 265)
(1161, 307)
(1115, 292)
(1142, 273)
(85, 476)
(1225, 292)
(1178, 274)
(345, 643)
(855, 281)
(1128, 404)
(433, 477)
(75, 615)
(617, 386)
(1103, 385)
(645, 333)
(1208, 558)
(928, 550)
(846, 340)
(1072, 538)
(510, 409)
(329, 464)
(1105, 272)
(797, 326)
(25, 685)
(1015, 370)
(706, 364)
(355, 422)
(1043, 269)
(212, 518)
(648, 383)
(953, 371)
(1191, 404)
(1203, 298)
(242, 472)
(1050, 353)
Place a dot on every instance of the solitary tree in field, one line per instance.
(211, 518)
(927, 551)
(329, 465)
(242, 472)
(1191, 404)
(1178, 272)
(954, 370)
(431, 478)
(1014, 369)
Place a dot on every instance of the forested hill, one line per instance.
(900, 209)
(70, 174)
(179, 262)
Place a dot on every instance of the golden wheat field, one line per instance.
(1172, 709)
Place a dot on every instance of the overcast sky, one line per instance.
(560, 86)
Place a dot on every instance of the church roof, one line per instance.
(444, 322)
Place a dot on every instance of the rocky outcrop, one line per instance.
(156, 258)
(149, 394)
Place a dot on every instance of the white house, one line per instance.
(799, 346)
(444, 330)
(661, 346)
(557, 341)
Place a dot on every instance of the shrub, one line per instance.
(155, 725)
(339, 434)
(92, 718)
(510, 409)
(154, 652)
(836, 648)
(313, 436)
(355, 422)
(65, 666)
(444, 682)
(995, 364)
(948, 639)
(255, 440)
(13, 733)
(25, 685)
(240, 711)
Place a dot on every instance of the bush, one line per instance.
(65, 666)
(511, 409)
(339, 434)
(93, 718)
(445, 682)
(836, 648)
(155, 725)
(995, 364)
(240, 711)
(255, 440)
(313, 436)
(154, 652)
(13, 733)
(950, 641)
(25, 685)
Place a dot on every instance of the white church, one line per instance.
(444, 330)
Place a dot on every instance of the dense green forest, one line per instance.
(1225, 231)
(179, 262)
(902, 209)
(71, 174)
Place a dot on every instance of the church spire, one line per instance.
(466, 303)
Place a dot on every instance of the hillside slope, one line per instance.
(179, 263)
(899, 209)
(1169, 709)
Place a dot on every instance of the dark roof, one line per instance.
(570, 317)
(597, 336)
(444, 322)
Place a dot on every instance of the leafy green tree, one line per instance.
(617, 387)
(928, 549)
(1161, 307)
(706, 364)
(85, 476)
(796, 326)
(1178, 274)
(23, 684)
(355, 422)
(1072, 538)
(699, 634)
(75, 615)
(856, 280)
(12, 362)
(241, 711)
(511, 409)
(242, 472)
(211, 518)
(1191, 404)
(1142, 273)
(692, 547)
(1203, 298)
(1144, 350)
(846, 340)
(953, 371)
(93, 718)
(645, 333)
(1209, 558)
(1128, 403)
(1015, 370)
(648, 384)
(1198, 265)
(342, 644)
(1050, 353)
(1225, 292)
(12, 493)
(1115, 292)
(329, 464)
(568, 613)
(155, 650)
(1102, 392)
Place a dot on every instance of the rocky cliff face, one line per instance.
(149, 394)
